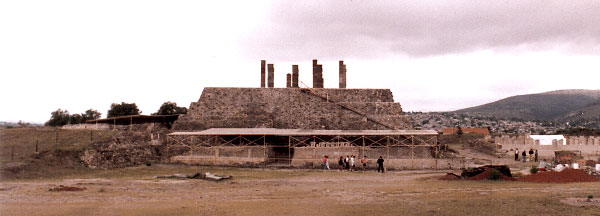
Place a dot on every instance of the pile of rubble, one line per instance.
(205, 176)
(496, 172)
(502, 172)
(127, 148)
(564, 176)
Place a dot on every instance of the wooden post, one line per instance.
(412, 151)
(363, 140)
(437, 150)
(36, 146)
(191, 145)
(364, 149)
(265, 151)
(314, 155)
(290, 150)
(167, 146)
(387, 146)
(216, 152)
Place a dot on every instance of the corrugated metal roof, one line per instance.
(302, 132)
(134, 117)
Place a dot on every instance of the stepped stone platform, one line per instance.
(294, 108)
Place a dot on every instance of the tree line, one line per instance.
(62, 117)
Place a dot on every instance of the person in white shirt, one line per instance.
(352, 163)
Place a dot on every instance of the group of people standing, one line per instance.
(533, 155)
(349, 163)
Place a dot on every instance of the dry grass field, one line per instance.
(18, 144)
(137, 191)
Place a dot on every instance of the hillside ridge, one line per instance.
(556, 105)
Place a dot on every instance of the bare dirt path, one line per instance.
(136, 191)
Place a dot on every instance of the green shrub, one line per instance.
(494, 174)
(590, 197)
(148, 163)
(533, 169)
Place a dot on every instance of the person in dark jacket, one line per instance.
(380, 164)
(347, 162)
(530, 154)
(536, 156)
(524, 154)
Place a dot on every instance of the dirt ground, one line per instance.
(137, 191)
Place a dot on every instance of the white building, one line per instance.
(547, 139)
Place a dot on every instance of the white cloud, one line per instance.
(435, 55)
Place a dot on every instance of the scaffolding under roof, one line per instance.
(302, 132)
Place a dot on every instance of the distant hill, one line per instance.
(548, 106)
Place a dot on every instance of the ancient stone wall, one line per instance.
(294, 108)
(86, 127)
(131, 145)
(589, 146)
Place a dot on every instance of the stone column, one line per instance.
(295, 76)
(342, 69)
(320, 77)
(271, 76)
(288, 83)
(315, 74)
(262, 73)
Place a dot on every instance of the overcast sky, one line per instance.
(434, 55)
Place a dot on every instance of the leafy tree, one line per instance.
(58, 118)
(123, 109)
(76, 119)
(23, 124)
(62, 117)
(91, 114)
(170, 108)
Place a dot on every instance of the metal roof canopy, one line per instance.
(136, 119)
(302, 132)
